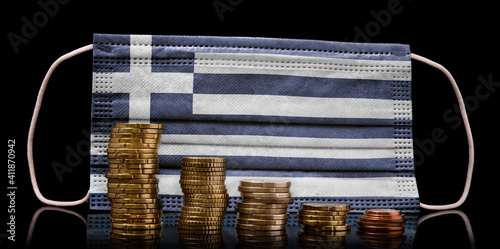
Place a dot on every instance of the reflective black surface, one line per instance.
(60, 227)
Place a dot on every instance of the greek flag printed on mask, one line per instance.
(334, 118)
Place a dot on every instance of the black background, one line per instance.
(459, 35)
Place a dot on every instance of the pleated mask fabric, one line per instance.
(334, 118)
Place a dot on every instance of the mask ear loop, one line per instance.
(31, 133)
(468, 132)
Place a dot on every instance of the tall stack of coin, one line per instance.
(136, 210)
(382, 228)
(262, 215)
(323, 224)
(202, 181)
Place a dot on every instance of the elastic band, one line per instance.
(31, 133)
(468, 132)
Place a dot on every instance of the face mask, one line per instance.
(334, 118)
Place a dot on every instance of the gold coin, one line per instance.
(207, 205)
(136, 226)
(131, 151)
(135, 140)
(326, 228)
(260, 227)
(132, 185)
(136, 243)
(207, 196)
(264, 216)
(136, 130)
(203, 169)
(135, 135)
(199, 227)
(140, 125)
(132, 191)
(205, 159)
(268, 200)
(201, 182)
(260, 205)
(133, 145)
(321, 222)
(204, 165)
(133, 166)
(131, 196)
(134, 161)
(263, 190)
(325, 206)
(134, 181)
(181, 231)
(201, 218)
(203, 178)
(270, 233)
(202, 173)
(135, 205)
(136, 211)
(202, 209)
(318, 238)
(131, 156)
(322, 213)
(205, 214)
(321, 217)
(135, 221)
(261, 211)
(205, 200)
(136, 231)
(266, 195)
(188, 222)
(129, 176)
(134, 171)
(136, 216)
(265, 183)
(137, 201)
(204, 191)
(261, 221)
(326, 233)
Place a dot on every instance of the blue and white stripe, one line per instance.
(266, 104)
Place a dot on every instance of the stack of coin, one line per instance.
(136, 210)
(205, 201)
(323, 222)
(262, 215)
(382, 228)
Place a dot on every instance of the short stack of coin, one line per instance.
(202, 181)
(262, 215)
(382, 228)
(136, 209)
(323, 222)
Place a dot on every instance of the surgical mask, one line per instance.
(334, 118)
